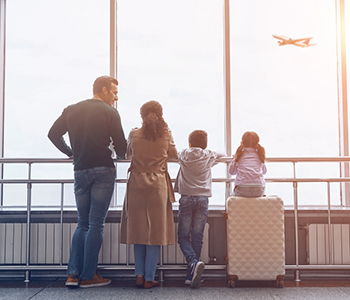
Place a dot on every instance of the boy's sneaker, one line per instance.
(94, 282)
(189, 279)
(196, 269)
(72, 281)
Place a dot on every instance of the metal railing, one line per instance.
(294, 180)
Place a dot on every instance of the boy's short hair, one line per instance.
(198, 138)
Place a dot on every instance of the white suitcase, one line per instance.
(255, 239)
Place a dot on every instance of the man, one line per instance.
(91, 124)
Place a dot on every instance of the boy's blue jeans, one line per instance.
(193, 213)
(93, 190)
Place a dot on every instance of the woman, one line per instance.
(147, 219)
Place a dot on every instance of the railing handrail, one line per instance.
(223, 159)
(124, 180)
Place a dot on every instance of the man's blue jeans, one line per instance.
(146, 259)
(93, 190)
(193, 213)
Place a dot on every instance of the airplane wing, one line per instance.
(302, 44)
(281, 37)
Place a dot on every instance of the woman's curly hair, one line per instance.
(153, 125)
(250, 139)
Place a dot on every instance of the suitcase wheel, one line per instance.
(231, 283)
(280, 283)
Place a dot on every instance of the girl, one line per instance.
(248, 165)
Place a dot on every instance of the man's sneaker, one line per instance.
(94, 282)
(72, 281)
(196, 269)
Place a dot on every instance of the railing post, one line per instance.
(296, 225)
(61, 225)
(330, 235)
(127, 254)
(29, 204)
(161, 259)
(227, 184)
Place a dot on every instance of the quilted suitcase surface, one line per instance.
(255, 239)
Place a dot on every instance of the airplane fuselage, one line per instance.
(286, 42)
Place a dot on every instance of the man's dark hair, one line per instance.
(103, 81)
(198, 138)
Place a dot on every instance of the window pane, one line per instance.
(172, 52)
(53, 55)
(347, 41)
(287, 94)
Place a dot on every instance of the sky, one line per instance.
(172, 52)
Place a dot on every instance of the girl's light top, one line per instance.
(249, 169)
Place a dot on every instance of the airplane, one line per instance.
(284, 40)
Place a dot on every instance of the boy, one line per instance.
(193, 182)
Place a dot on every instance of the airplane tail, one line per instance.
(307, 43)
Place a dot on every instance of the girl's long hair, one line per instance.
(250, 139)
(153, 124)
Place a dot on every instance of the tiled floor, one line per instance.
(175, 289)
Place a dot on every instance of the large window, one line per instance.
(172, 52)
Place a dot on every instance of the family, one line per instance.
(147, 218)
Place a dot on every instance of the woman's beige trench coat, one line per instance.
(147, 216)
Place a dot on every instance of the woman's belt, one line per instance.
(159, 170)
(147, 169)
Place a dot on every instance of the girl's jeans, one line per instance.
(249, 190)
